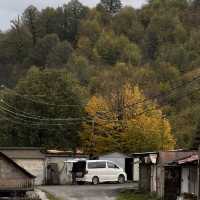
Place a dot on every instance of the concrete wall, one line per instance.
(153, 178)
(185, 180)
(35, 167)
(193, 179)
(136, 168)
(63, 168)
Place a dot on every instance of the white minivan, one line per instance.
(98, 171)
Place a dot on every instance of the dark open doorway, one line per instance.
(52, 174)
(129, 168)
(172, 182)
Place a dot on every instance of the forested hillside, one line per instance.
(104, 78)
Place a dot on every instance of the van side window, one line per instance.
(95, 165)
(112, 165)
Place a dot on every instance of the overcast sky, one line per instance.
(10, 9)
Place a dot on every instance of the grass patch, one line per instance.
(130, 195)
(51, 197)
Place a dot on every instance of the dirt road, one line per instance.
(88, 192)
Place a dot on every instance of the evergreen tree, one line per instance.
(30, 19)
(196, 139)
(111, 6)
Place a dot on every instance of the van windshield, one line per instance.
(95, 165)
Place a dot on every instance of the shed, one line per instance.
(189, 174)
(159, 174)
(14, 178)
(29, 158)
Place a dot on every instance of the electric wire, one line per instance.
(37, 101)
(24, 115)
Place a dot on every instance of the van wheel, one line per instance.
(95, 180)
(121, 179)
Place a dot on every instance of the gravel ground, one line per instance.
(88, 192)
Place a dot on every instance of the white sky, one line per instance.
(10, 9)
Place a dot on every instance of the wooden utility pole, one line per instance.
(198, 174)
(92, 145)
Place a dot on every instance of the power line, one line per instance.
(16, 120)
(39, 102)
(17, 110)
(159, 95)
(27, 120)
(10, 115)
(25, 124)
(156, 107)
(167, 103)
(28, 116)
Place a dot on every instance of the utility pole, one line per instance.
(92, 137)
(198, 174)
(93, 132)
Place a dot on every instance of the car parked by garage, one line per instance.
(98, 171)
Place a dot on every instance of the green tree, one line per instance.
(175, 54)
(111, 49)
(30, 19)
(35, 108)
(81, 68)
(91, 29)
(74, 11)
(163, 29)
(59, 55)
(44, 46)
(128, 17)
(49, 22)
(16, 44)
(196, 137)
(111, 6)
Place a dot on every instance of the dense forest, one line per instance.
(104, 78)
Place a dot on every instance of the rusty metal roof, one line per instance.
(186, 160)
(165, 158)
(168, 157)
(189, 159)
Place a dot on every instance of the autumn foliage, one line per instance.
(127, 122)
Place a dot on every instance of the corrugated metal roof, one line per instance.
(170, 156)
(166, 158)
(189, 159)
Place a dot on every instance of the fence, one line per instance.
(20, 198)
(16, 184)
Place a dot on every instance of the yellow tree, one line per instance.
(126, 121)
(98, 132)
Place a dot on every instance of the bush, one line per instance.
(132, 195)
